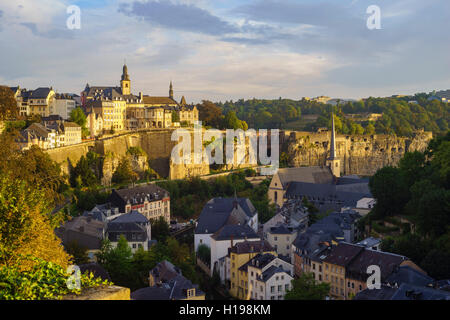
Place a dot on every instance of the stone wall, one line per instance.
(359, 154)
(101, 293)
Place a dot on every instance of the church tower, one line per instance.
(333, 162)
(125, 83)
(171, 90)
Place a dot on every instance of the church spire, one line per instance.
(171, 90)
(333, 138)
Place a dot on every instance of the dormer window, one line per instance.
(190, 293)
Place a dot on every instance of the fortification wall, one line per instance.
(359, 154)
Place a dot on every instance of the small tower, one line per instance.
(333, 162)
(171, 90)
(183, 101)
(125, 83)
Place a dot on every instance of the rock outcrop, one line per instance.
(359, 154)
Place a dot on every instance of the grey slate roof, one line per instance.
(317, 174)
(217, 211)
(406, 274)
(345, 195)
(171, 284)
(133, 216)
(259, 261)
(384, 293)
(270, 272)
(281, 229)
(235, 231)
(412, 292)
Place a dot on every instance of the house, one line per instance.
(39, 101)
(134, 226)
(150, 200)
(371, 243)
(268, 277)
(239, 254)
(67, 133)
(86, 232)
(219, 212)
(346, 265)
(225, 238)
(62, 105)
(281, 238)
(306, 250)
(293, 214)
(103, 212)
(166, 282)
(39, 135)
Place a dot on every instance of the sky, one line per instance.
(228, 49)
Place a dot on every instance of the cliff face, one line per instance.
(359, 154)
(157, 144)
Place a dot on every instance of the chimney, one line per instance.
(231, 239)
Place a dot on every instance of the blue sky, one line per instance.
(229, 49)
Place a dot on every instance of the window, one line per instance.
(275, 238)
(286, 287)
(280, 288)
(272, 289)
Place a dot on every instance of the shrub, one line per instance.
(45, 281)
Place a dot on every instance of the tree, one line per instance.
(204, 253)
(307, 288)
(175, 116)
(388, 188)
(117, 261)
(160, 229)
(8, 104)
(25, 225)
(79, 253)
(124, 173)
(77, 115)
(210, 114)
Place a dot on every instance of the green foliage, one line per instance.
(204, 253)
(124, 173)
(188, 197)
(231, 121)
(77, 115)
(78, 252)
(307, 288)
(399, 116)
(131, 270)
(160, 229)
(45, 281)
(136, 151)
(419, 188)
(84, 173)
(175, 116)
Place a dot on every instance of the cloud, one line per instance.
(185, 17)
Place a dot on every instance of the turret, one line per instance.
(171, 90)
(333, 162)
(125, 83)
